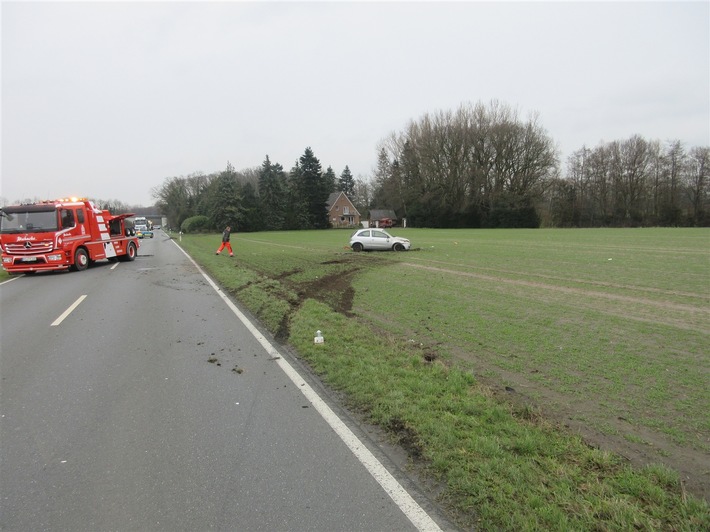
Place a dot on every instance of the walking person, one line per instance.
(225, 242)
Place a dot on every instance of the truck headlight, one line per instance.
(58, 256)
(6, 260)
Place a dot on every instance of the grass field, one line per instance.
(548, 379)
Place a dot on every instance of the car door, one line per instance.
(380, 240)
(363, 236)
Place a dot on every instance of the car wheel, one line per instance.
(357, 246)
(398, 247)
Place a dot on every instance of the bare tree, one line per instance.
(456, 166)
(698, 184)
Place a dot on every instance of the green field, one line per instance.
(547, 379)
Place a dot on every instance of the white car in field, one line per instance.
(373, 239)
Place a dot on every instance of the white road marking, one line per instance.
(415, 513)
(68, 311)
(114, 266)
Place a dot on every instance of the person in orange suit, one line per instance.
(225, 242)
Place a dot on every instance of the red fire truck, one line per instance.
(61, 234)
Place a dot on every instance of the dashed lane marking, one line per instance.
(68, 311)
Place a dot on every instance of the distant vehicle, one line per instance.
(61, 234)
(385, 223)
(143, 227)
(377, 239)
(143, 233)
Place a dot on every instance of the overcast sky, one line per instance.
(108, 99)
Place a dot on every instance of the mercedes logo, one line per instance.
(28, 245)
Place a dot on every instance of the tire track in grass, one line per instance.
(703, 314)
(705, 297)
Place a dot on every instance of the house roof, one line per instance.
(334, 197)
(378, 214)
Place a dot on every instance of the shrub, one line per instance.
(195, 224)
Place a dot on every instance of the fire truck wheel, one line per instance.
(81, 260)
(131, 252)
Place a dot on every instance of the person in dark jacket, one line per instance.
(225, 242)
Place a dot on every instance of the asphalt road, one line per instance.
(133, 397)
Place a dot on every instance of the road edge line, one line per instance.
(414, 512)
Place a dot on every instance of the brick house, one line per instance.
(341, 211)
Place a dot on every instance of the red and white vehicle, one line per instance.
(61, 234)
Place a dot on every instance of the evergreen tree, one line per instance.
(296, 215)
(272, 195)
(227, 199)
(329, 179)
(315, 190)
(346, 183)
(248, 217)
(381, 197)
(382, 173)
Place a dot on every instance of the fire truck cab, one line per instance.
(62, 234)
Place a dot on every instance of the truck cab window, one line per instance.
(67, 219)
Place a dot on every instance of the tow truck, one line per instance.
(61, 234)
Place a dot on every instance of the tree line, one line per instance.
(634, 182)
(478, 166)
(262, 199)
